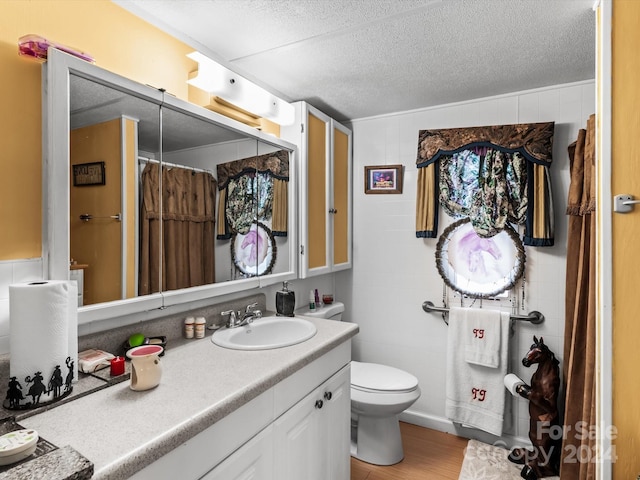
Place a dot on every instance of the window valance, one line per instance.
(275, 164)
(533, 140)
(489, 174)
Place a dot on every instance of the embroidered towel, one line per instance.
(482, 336)
(475, 395)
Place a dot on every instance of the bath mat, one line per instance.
(488, 462)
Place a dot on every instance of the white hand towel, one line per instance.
(482, 336)
(475, 395)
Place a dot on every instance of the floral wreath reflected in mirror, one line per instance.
(481, 267)
(254, 253)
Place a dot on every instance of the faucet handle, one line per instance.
(232, 317)
(250, 306)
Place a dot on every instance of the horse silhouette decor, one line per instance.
(543, 460)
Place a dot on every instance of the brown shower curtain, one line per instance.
(188, 218)
(580, 312)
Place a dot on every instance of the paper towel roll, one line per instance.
(73, 326)
(43, 320)
(512, 382)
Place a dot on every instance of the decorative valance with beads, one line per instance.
(492, 175)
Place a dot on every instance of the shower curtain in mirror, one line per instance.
(490, 174)
(251, 189)
(188, 218)
(579, 367)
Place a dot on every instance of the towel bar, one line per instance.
(85, 217)
(534, 317)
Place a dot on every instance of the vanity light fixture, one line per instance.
(233, 88)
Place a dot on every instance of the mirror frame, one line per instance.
(56, 160)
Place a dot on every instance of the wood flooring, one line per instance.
(428, 455)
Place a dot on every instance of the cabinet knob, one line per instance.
(328, 395)
(333, 210)
(319, 404)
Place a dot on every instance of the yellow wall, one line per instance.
(119, 42)
(626, 231)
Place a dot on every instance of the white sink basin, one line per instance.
(265, 333)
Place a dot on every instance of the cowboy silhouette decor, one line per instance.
(30, 396)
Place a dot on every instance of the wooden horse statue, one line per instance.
(544, 425)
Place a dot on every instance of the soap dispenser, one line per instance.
(285, 301)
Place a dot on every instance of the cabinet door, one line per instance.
(252, 461)
(312, 439)
(299, 441)
(315, 189)
(340, 211)
(337, 421)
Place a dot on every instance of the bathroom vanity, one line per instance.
(283, 413)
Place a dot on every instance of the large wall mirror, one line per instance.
(134, 197)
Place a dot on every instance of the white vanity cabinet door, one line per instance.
(299, 441)
(308, 444)
(252, 461)
(338, 424)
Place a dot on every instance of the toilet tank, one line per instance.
(331, 312)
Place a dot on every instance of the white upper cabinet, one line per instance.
(127, 225)
(325, 191)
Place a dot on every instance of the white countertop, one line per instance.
(121, 431)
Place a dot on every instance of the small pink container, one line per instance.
(37, 47)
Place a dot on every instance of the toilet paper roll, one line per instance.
(512, 382)
(43, 320)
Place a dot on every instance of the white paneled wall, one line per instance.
(394, 272)
(14, 271)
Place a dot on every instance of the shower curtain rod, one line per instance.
(174, 165)
(534, 317)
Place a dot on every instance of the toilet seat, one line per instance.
(376, 378)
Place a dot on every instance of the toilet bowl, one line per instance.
(379, 393)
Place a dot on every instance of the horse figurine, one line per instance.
(544, 426)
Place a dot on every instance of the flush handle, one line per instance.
(624, 203)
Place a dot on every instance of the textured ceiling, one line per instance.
(360, 58)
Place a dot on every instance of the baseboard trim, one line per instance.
(445, 425)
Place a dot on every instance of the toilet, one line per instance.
(379, 393)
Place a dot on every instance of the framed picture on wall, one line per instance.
(383, 179)
(86, 174)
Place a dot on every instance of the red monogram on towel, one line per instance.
(478, 332)
(478, 394)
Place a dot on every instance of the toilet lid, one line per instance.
(381, 378)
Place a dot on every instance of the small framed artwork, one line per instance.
(85, 174)
(383, 179)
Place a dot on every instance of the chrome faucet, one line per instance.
(240, 318)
